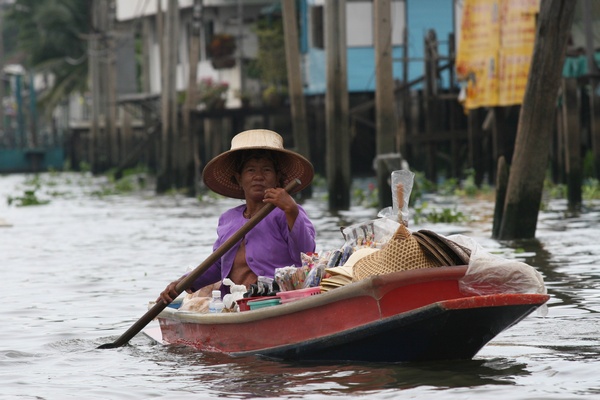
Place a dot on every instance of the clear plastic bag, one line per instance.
(315, 275)
(489, 274)
(401, 183)
(374, 233)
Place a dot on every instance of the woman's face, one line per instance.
(257, 175)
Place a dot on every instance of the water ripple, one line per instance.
(80, 271)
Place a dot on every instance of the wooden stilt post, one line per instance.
(298, 107)
(429, 102)
(336, 107)
(572, 131)
(189, 129)
(475, 135)
(110, 74)
(385, 104)
(165, 178)
(501, 184)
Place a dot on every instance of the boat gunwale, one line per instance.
(375, 286)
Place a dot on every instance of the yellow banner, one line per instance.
(494, 51)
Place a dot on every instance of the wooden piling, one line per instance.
(571, 106)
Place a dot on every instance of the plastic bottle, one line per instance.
(216, 304)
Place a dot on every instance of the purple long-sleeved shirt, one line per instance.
(269, 245)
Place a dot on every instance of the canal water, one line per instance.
(79, 271)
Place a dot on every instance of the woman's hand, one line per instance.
(282, 199)
(169, 294)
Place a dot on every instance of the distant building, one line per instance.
(411, 19)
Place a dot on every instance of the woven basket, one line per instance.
(402, 252)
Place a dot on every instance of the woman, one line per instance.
(256, 169)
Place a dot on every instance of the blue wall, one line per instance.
(19, 160)
(421, 16)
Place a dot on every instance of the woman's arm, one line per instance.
(302, 235)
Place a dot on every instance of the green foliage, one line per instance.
(366, 198)
(33, 180)
(554, 190)
(85, 167)
(132, 179)
(588, 169)
(135, 171)
(421, 186)
(209, 195)
(271, 61)
(423, 213)
(591, 189)
(274, 96)
(468, 186)
(319, 182)
(252, 69)
(29, 198)
(52, 36)
(449, 187)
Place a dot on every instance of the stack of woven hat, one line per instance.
(342, 275)
(444, 251)
(406, 251)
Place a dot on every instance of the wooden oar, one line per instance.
(199, 270)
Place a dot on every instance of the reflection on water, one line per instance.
(250, 377)
(80, 270)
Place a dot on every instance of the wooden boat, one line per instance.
(413, 315)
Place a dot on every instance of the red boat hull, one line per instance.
(405, 316)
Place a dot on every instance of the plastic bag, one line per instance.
(401, 183)
(315, 275)
(374, 233)
(489, 274)
(236, 293)
(291, 277)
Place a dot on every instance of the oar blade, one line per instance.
(108, 346)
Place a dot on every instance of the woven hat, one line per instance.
(219, 173)
(402, 252)
(445, 251)
(342, 275)
(346, 269)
